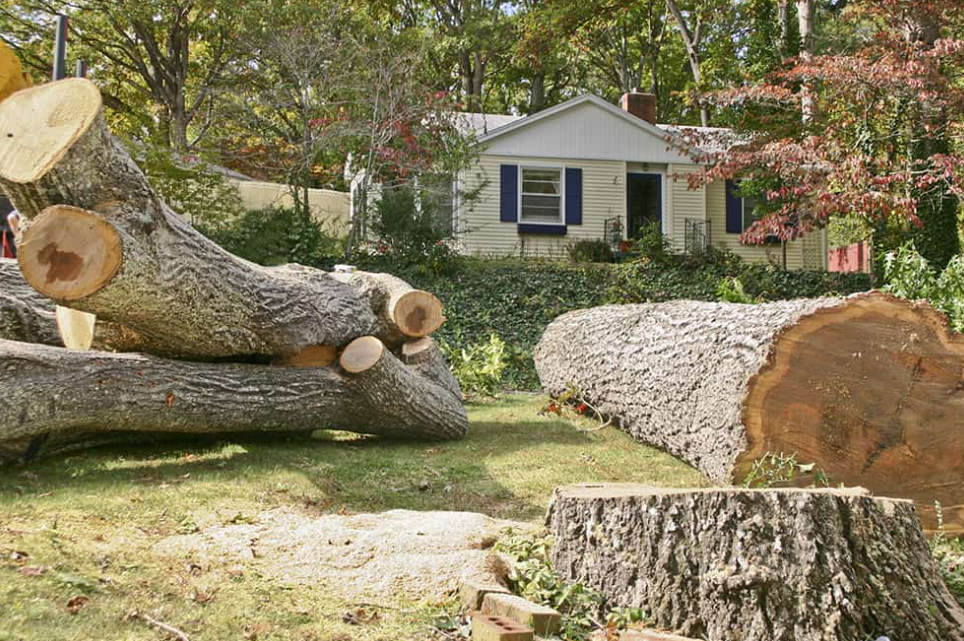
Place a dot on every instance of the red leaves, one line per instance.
(77, 603)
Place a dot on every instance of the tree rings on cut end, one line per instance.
(362, 354)
(38, 126)
(418, 313)
(76, 327)
(69, 253)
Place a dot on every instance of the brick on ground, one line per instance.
(545, 621)
(487, 627)
(473, 592)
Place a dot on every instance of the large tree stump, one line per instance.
(97, 239)
(756, 565)
(48, 390)
(869, 388)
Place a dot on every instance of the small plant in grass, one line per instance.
(573, 401)
(948, 554)
(777, 469)
(479, 366)
(532, 577)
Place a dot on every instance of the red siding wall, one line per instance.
(852, 258)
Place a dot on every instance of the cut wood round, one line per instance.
(867, 388)
(25, 315)
(765, 565)
(92, 392)
(76, 328)
(314, 356)
(69, 254)
(361, 354)
(404, 312)
(99, 240)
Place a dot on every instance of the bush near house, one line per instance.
(515, 299)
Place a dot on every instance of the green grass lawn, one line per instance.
(83, 525)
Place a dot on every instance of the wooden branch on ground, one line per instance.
(59, 391)
(867, 388)
(97, 239)
(774, 565)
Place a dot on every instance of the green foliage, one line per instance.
(652, 245)
(779, 469)
(730, 290)
(479, 366)
(532, 577)
(948, 554)
(197, 192)
(407, 225)
(275, 236)
(590, 251)
(909, 275)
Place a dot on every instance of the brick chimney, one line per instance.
(641, 105)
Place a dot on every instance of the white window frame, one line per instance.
(562, 194)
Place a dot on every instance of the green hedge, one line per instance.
(516, 299)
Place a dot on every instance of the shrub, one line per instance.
(652, 244)
(590, 251)
(909, 275)
(730, 290)
(274, 236)
(479, 366)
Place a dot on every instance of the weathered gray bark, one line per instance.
(763, 565)
(424, 357)
(674, 374)
(60, 391)
(25, 315)
(182, 293)
(866, 388)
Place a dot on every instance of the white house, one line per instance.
(587, 169)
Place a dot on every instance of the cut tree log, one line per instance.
(869, 389)
(59, 391)
(97, 239)
(756, 565)
(425, 357)
(25, 315)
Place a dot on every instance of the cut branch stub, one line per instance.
(67, 253)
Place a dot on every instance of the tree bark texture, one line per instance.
(868, 388)
(60, 391)
(25, 315)
(756, 565)
(156, 275)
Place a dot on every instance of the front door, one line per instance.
(644, 202)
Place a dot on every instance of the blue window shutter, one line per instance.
(509, 193)
(734, 209)
(573, 196)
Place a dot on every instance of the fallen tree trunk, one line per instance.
(764, 565)
(97, 239)
(868, 388)
(25, 315)
(60, 391)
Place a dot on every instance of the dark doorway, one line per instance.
(644, 202)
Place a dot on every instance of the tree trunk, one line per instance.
(805, 17)
(119, 252)
(756, 565)
(691, 41)
(25, 315)
(866, 388)
(783, 23)
(62, 392)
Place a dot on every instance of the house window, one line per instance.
(541, 196)
(749, 216)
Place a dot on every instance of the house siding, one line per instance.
(716, 214)
(481, 233)
(686, 203)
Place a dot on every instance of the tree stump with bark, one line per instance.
(287, 348)
(756, 565)
(869, 389)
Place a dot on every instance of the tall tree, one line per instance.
(159, 62)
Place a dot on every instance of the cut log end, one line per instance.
(362, 354)
(418, 313)
(51, 117)
(314, 356)
(76, 328)
(416, 351)
(69, 253)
